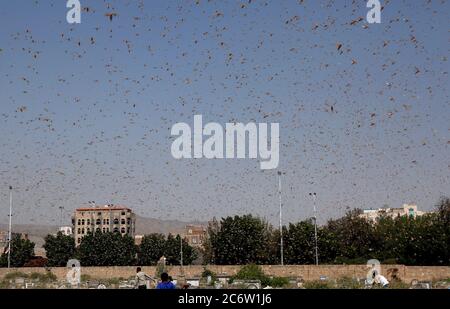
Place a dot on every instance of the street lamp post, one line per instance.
(181, 251)
(61, 215)
(9, 230)
(314, 196)
(281, 221)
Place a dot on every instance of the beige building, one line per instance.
(407, 210)
(138, 239)
(102, 219)
(195, 235)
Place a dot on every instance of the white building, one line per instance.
(407, 210)
(65, 230)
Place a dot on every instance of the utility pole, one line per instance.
(181, 253)
(281, 221)
(314, 196)
(61, 215)
(9, 230)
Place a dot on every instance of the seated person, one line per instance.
(165, 282)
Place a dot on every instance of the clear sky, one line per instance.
(86, 109)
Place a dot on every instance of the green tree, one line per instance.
(209, 242)
(59, 249)
(107, 249)
(22, 250)
(441, 221)
(240, 240)
(299, 243)
(172, 251)
(151, 249)
(354, 238)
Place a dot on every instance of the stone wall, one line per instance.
(307, 272)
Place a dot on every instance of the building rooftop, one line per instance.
(103, 208)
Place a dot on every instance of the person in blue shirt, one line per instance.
(165, 282)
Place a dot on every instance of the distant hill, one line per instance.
(150, 225)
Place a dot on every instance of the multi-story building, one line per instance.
(409, 210)
(102, 219)
(195, 235)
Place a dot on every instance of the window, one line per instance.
(128, 221)
(104, 221)
(98, 230)
(79, 240)
(99, 213)
(88, 222)
(107, 229)
(123, 213)
(82, 221)
(103, 230)
(98, 222)
(128, 230)
(107, 221)
(88, 230)
(122, 230)
(122, 221)
(116, 221)
(79, 230)
(82, 231)
(116, 230)
(79, 221)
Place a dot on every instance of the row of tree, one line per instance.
(103, 249)
(424, 240)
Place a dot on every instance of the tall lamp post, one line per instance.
(61, 208)
(314, 196)
(9, 230)
(181, 253)
(281, 221)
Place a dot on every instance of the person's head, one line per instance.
(164, 277)
(138, 269)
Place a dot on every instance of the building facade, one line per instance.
(102, 219)
(409, 210)
(195, 235)
(65, 230)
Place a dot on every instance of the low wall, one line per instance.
(307, 272)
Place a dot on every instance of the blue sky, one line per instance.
(86, 109)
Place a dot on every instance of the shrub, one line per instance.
(252, 272)
(348, 283)
(85, 277)
(279, 282)
(255, 272)
(15, 274)
(398, 285)
(112, 281)
(47, 277)
(206, 272)
(318, 284)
